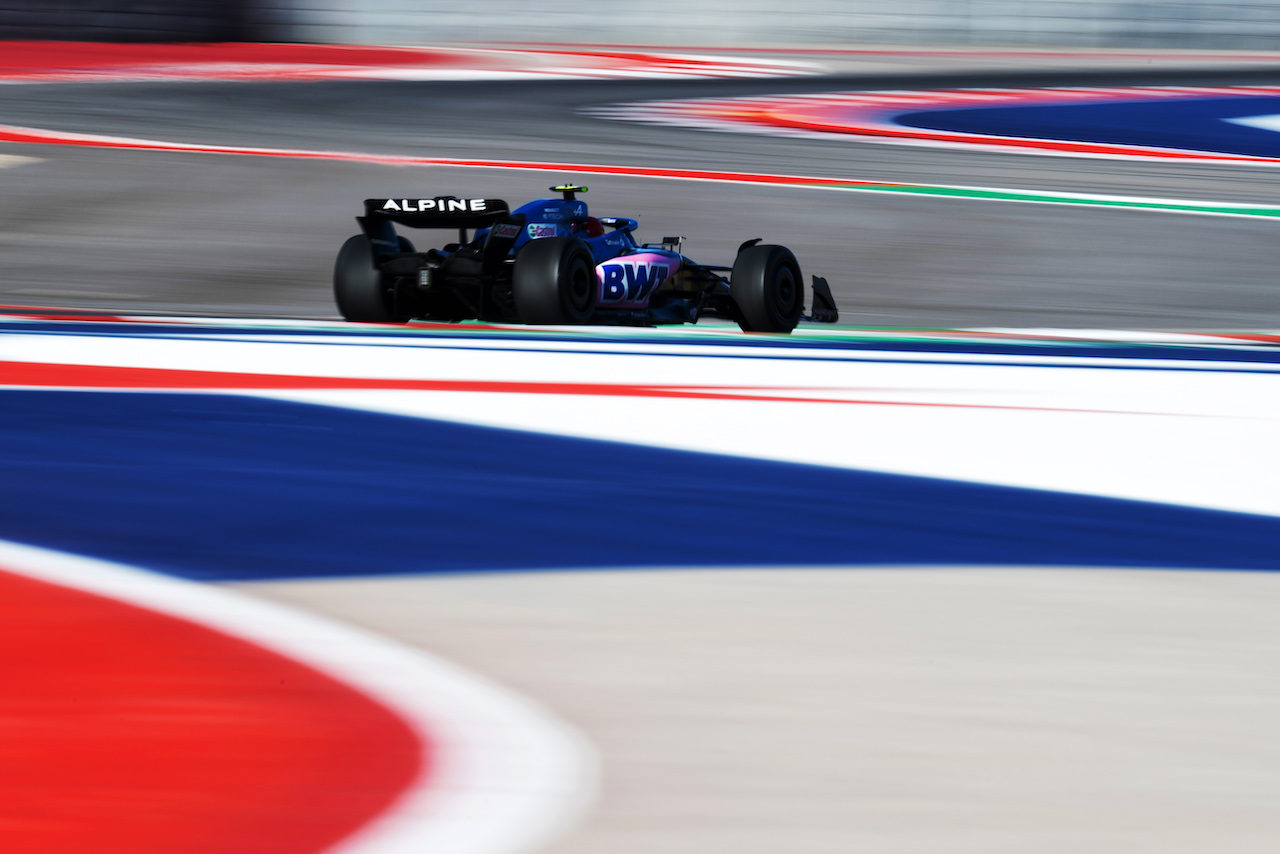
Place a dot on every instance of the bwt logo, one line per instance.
(631, 282)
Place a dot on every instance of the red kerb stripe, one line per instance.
(126, 731)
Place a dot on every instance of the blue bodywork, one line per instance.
(561, 217)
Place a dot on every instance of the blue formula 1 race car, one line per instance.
(548, 262)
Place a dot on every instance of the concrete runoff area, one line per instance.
(891, 710)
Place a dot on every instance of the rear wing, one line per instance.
(440, 212)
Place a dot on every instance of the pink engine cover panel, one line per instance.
(629, 281)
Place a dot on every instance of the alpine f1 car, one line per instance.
(549, 262)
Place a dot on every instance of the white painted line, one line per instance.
(1196, 433)
(1271, 123)
(931, 422)
(505, 777)
(390, 357)
(8, 160)
(1123, 336)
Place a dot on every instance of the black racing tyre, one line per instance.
(554, 281)
(767, 288)
(362, 291)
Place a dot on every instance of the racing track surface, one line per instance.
(831, 709)
(202, 233)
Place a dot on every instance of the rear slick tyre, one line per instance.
(767, 288)
(361, 290)
(554, 282)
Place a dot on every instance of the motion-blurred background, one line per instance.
(1213, 24)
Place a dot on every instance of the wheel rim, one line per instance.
(785, 291)
(579, 286)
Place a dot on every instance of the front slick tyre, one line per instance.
(766, 287)
(554, 282)
(360, 288)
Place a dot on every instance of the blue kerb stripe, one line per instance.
(226, 487)
(1194, 124)
(749, 349)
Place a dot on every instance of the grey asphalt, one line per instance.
(895, 711)
(149, 231)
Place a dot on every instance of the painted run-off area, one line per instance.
(248, 446)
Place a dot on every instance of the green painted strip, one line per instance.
(1051, 198)
(1203, 208)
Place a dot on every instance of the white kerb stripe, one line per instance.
(1271, 123)
(505, 777)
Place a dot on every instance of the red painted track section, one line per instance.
(38, 136)
(41, 375)
(32, 62)
(40, 59)
(124, 731)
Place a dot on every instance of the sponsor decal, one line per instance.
(631, 283)
(445, 205)
(541, 230)
(506, 230)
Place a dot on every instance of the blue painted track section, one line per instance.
(742, 349)
(1195, 124)
(221, 487)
